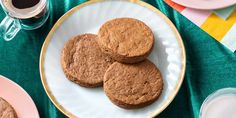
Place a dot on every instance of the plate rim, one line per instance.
(74, 9)
(201, 8)
(23, 90)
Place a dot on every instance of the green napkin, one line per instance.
(210, 66)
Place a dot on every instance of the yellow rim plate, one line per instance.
(73, 10)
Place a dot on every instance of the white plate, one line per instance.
(75, 101)
(206, 4)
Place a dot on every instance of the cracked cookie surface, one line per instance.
(126, 40)
(6, 110)
(133, 85)
(83, 62)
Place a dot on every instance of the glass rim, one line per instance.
(216, 94)
(30, 14)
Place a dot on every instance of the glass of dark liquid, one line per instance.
(22, 14)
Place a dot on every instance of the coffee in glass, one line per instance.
(25, 14)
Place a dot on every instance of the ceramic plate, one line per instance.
(206, 4)
(75, 101)
(18, 98)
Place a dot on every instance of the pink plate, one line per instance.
(206, 4)
(18, 98)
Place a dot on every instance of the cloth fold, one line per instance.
(220, 24)
(225, 13)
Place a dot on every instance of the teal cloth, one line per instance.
(210, 66)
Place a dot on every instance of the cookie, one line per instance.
(67, 60)
(126, 40)
(83, 62)
(133, 85)
(6, 110)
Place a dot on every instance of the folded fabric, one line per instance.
(225, 13)
(220, 24)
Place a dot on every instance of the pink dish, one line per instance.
(206, 4)
(18, 98)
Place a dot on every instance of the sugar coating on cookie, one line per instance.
(6, 110)
(126, 40)
(87, 64)
(133, 85)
